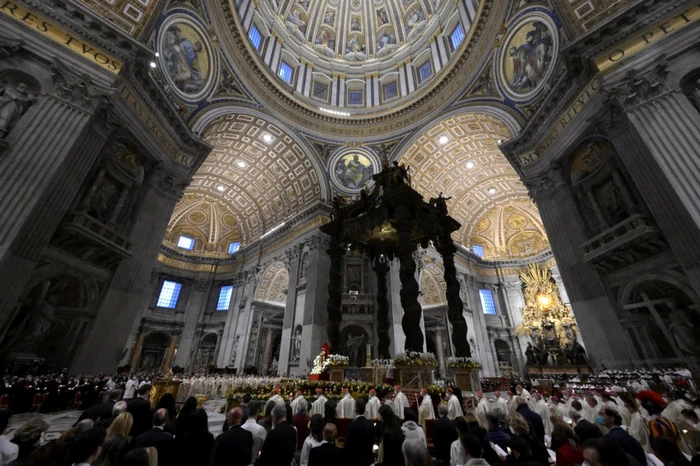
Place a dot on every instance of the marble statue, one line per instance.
(13, 104)
(682, 331)
(32, 323)
(354, 345)
(296, 344)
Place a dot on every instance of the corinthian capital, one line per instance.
(9, 46)
(545, 184)
(640, 87)
(79, 90)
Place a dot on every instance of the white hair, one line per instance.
(415, 452)
(302, 405)
(118, 408)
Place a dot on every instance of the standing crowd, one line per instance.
(598, 428)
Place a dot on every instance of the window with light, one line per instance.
(286, 72)
(234, 247)
(355, 97)
(487, 302)
(457, 36)
(425, 71)
(390, 91)
(321, 91)
(185, 242)
(478, 250)
(224, 298)
(255, 37)
(169, 294)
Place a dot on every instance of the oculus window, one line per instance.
(487, 302)
(286, 72)
(224, 300)
(169, 294)
(234, 247)
(185, 242)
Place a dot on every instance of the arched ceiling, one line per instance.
(273, 285)
(433, 286)
(255, 178)
(459, 157)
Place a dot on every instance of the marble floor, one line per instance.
(59, 422)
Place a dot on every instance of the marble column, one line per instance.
(40, 174)
(245, 322)
(455, 308)
(292, 256)
(440, 348)
(381, 268)
(136, 353)
(412, 312)
(187, 353)
(658, 152)
(315, 318)
(589, 297)
(131, 289)
(335, 284)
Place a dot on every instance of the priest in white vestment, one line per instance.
(319, 404)
(454, 407)
(542, 410)
(425, 410)
(400, 402)
(373, 405)
(130, 389)
(482, 409)
(276, 397)
(295, 402)
(346, 406)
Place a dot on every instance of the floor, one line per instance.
(59, 422)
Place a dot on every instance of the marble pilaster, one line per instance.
(315, 319)
(130, 290)
(292, 256)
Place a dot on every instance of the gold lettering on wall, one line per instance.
(60, 35)
(562, 121)
(641, 40)
(149, 121)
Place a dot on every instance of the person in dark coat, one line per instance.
(327, 453)
(612, 420)
(140, 409)
(391, 437)
(531, 417)
(197, 444)
(281, 442)
(158, 438)
(235, 446)
(584, 429)
(360, 438)
(444, 433)
(498, 436)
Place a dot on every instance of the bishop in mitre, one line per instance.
(276, 397)
(454, 407)
(346, 406)
(400, 402)
(425, 410)
(319, 404)
(373, 405)
(296, 402)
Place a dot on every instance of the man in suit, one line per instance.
(612, 420)
(583, 428)
(531, 417)
(327, 453)
(245, 401)
(118, 408)
(233, 447)
(140, 409)
(281, 442)
(158, 438)
(444, 433)
(360, 438)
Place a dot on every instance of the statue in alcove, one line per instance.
(13, 104)
(34, 320)
(296, 344)
(682, 330)
(354, 346)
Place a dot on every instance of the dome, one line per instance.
(329, 64)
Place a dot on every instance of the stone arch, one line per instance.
(273, 284)
(504, 353)
(154, 350)
(201, 121)
(206, 352)
(433, 286)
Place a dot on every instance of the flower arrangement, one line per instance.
(262, 388)
(463, 363)
(333, 360)
(414, 358)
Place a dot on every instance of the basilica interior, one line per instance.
(170, 170)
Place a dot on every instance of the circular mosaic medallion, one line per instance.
(526, 59)
(482, 225)
(197, 217)
(517, 222)
(351, 169)
(186, 56)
